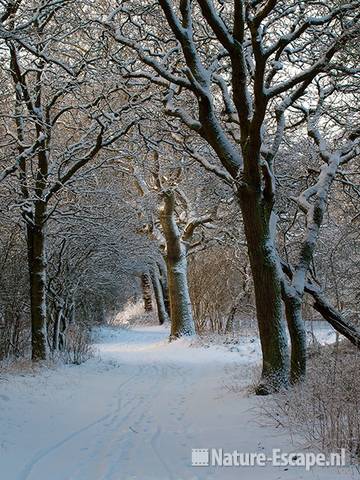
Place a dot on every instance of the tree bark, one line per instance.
(164, 287)
(297, 332)
(182, 322)
(267, 287)
(56, 332)
(37, 272)
(230, 321)
(62, 333)
(160, 303)
(146, 291)
(61, 323)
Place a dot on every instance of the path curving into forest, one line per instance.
(135, 413)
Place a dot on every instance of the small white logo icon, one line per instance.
(200, 457)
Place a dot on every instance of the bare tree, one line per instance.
(60, 122)
(243, 65)
(172, 227)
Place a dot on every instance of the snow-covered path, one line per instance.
(136, 413)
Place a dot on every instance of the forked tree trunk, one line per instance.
(146, 291)
(182, 322)
(60, 327)
(37, 273)
(267, 286)
(159, 297)
(314, 211)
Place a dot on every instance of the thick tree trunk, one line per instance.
(161, 309)
(267, 286)
(146, 291)
(37, 272)
(182, 322)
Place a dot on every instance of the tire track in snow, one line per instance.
(135, 442)
(125, 427)
(42, 454)
(147, 402)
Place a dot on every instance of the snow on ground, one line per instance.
(136, 411)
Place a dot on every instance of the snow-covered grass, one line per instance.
(135, 412)
(14, 366)
(325, 408)
(143, 344)
(319, 333)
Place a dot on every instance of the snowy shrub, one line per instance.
(78, 347)
(220, 290)
(325, 409)
(14, 335)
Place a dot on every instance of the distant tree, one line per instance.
(172, 219)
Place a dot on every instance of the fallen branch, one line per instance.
(333, 316)
(327, 311)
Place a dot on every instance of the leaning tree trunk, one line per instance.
(182, 322)
(256, 212)
(37, 273)
(159, 298)
(146, 290)
(314, 210)
(297, 331)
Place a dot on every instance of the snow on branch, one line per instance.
(313, 200)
